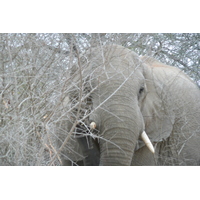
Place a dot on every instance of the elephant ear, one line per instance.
(159, 116)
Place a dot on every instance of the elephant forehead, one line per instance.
(113, 58)
(124, 66)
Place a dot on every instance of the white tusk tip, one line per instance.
(93, 125)
(147, 141)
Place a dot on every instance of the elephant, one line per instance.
(140, 111)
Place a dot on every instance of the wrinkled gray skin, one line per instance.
(136, 94)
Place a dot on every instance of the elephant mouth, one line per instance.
(88, 143)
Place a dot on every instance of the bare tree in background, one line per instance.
(35, 82)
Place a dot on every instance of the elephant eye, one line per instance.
(141, 90)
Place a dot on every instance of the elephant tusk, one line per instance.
(93, 125)
(147, 141)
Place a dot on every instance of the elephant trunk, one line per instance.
(120, 129)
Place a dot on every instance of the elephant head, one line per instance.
(133, 101)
